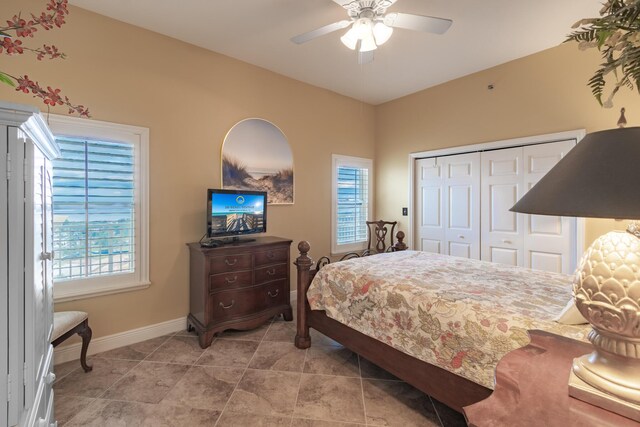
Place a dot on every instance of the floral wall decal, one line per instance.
(53, 17)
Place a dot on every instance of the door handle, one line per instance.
(226, 307)
(46, 256)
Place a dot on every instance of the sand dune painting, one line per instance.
(256, 156)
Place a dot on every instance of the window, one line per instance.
(351, 206)
(99, 208)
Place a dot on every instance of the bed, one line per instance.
(438, 322)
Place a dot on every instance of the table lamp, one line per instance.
(600, 178)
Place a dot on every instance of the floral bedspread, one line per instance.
(459, 314)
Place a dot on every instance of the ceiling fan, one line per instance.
(371, 26)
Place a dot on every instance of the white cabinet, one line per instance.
(463, 203)
(26, 298)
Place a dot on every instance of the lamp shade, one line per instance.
(599, 177)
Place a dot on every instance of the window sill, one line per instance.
(65, 294)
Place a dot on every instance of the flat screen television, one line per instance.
(236, 213)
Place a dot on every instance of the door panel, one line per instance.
(429, 192)
(501, 239)
(462, 205)
(548, 240)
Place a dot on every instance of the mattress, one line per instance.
(459, 314)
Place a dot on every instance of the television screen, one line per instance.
(234, 212)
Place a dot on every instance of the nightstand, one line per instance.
(532, 389)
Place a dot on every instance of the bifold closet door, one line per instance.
(548, 240)
(429, 187)
(533, 241)
(502, 186)
(448, 196)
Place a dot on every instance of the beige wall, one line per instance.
(189, 98)
(538, 94)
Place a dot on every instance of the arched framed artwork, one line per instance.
(256, 156)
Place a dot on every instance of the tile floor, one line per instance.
(253, 378)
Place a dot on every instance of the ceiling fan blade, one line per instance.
(347, 4)
(365, 57)
(305, 37)
(408, 21)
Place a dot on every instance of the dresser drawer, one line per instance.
(230, 280)
(276, 293)
(221, 264)
(230, 304)
(272, 256)
(272, 272)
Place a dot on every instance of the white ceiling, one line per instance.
(484, 33)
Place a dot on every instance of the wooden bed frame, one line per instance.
(450, 389)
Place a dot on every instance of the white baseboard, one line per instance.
(294, 296)
(72, 352)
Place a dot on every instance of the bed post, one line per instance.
(400, 245)
(303, 264)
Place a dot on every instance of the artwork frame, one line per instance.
(256, 156)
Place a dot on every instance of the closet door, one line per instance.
(4, 286)
(502, 186)
(548, 240)
(462, 205)
(429, 185)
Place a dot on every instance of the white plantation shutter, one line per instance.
(353, 204)
(93, 209)
(352, 179)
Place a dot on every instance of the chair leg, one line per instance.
(84, 331)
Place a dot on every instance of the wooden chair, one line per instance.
(69, 323)
(381, 239)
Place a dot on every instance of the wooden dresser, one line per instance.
(238, 286)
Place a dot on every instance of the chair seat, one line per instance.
(64, 321)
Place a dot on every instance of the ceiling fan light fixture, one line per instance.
(368, 44)
(350, 39)
(381, 33)
(362, 28)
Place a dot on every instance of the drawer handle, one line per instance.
(230, 281)
(508, 242)
(235, 261)
(271, 255)
(273, 295)
(227, 307)
(271, 271)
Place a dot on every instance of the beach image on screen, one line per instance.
(234, 213)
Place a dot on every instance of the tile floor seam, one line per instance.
(364, 405)
(118, 380)
(132, 368)
(435, 410)
(77, 413)
(156, 349)
(295, 404)
(242, 376)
